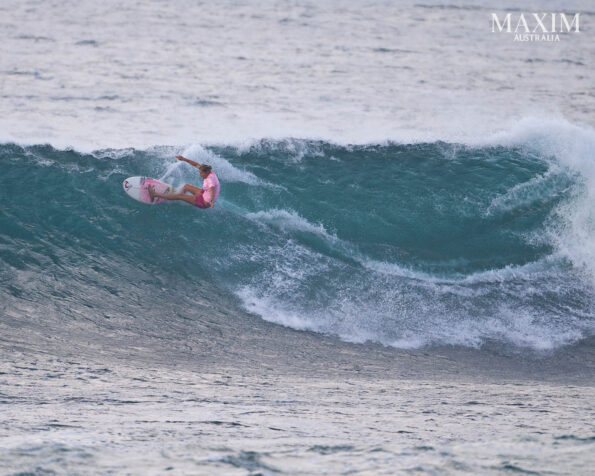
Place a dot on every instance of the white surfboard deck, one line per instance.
(136, 187)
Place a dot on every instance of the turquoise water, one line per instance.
(406, 245)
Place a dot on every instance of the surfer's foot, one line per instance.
(151, 191)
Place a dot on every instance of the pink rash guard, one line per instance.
(210, 186)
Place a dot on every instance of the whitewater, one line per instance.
(399, 274)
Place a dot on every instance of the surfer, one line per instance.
(204, 197)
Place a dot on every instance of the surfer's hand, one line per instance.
(188, 161)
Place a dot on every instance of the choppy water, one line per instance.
(387, 180)
(113, 74)
(78, 418)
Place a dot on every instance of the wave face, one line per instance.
(403, 244)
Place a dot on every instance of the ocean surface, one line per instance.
(398, 276)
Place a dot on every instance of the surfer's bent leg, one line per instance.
(178, 196)
(192, 189)
(170, 196)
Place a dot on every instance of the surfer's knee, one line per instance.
(191, 188)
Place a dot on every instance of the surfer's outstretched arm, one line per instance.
(184, 159)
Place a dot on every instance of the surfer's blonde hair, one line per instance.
(205, 168)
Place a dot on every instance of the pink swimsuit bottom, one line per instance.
(199, 201)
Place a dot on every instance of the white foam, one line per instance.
(290, 220)
(526, 272)
(272, 310)
(417, 323)
(170, 169)
(397, 307)
(542, 187)
(572, 231)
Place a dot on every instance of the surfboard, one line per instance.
(136, 187)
